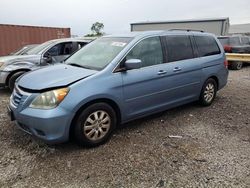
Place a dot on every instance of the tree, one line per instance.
(97, 27)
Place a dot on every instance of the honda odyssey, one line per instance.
(116, 79)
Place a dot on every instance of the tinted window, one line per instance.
(206, 45)
(55, 50)
(179, 48)
(149, 51)
(61, 49)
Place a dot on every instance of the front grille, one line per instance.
(18, 96)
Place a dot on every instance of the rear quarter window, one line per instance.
(179, 48)
(207, 46)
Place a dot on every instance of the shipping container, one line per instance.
(13, 37)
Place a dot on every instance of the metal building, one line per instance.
(218, 26)
(240, 29)
(13, 37)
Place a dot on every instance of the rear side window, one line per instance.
(179, 48)
(207, 46)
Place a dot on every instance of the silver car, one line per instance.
(24, 49)
(48, 53)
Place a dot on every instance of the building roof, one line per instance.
(239, 28)
(182, 21)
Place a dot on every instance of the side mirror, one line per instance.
(133, 64)
(47, 58)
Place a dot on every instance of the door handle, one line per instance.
(176, 69)
(161, 72)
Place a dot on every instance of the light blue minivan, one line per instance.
(116, 79)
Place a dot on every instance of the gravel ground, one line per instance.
(212, 149)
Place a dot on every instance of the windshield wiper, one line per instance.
(77, 65)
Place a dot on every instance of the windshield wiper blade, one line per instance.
(77, 65)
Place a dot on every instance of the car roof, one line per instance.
(141, 34)
(70, 40)
(233, 36)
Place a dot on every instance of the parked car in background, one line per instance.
(48, 53)
(116, 79)
(235, 44)
(23, 50)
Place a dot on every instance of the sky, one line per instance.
(116, 15)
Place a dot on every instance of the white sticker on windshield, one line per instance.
(118, 44)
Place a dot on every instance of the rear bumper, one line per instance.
(3, 77)
(51, 126)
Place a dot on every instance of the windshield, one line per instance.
(99, 53)
(24, 50)
(18, 51)
(39, 48)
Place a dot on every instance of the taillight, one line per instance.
(226, 63)
(228, 48)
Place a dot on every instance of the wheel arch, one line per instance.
(110, 102)
(13, 72)
(216, 80)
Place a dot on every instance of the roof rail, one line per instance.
(188, 30)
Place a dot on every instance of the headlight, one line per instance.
(50, 99)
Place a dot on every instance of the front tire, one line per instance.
(95, 125)
(13, 78)
(208, 92)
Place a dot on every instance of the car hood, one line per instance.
(53, 76)
(15, 58)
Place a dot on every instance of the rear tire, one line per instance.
(208, 92)
(95, 125)
(13, 78)
(236, 65)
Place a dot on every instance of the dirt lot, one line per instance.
(213, 149)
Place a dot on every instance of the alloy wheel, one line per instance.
(209, 92)
(97, 125)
